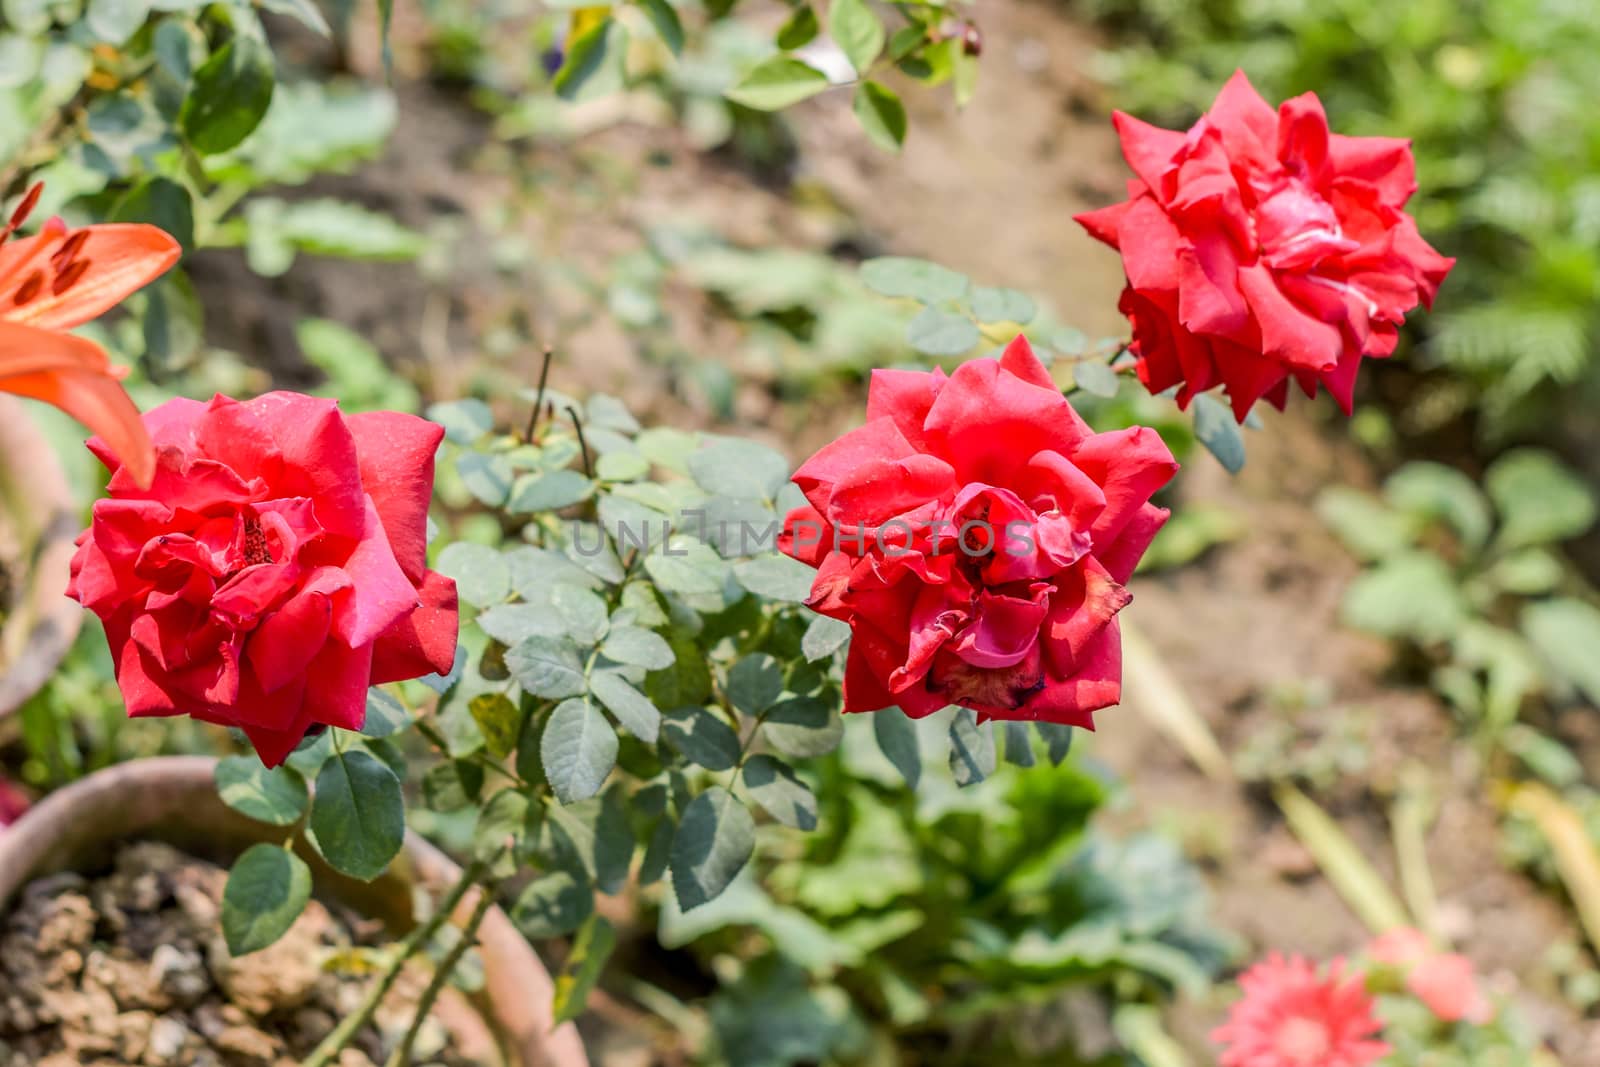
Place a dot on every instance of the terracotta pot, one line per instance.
(172, 799)
(38, 523)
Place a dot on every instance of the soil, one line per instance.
(1251, 631)
(130, 968)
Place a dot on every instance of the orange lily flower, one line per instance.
(59, 279)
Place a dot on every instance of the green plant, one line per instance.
(1472, 579)
(946, 917)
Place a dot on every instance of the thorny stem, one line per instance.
(577, 424)
(401, 1056)
(439, 741)
(538, 400)
(345, 1032)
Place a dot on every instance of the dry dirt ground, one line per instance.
(1250, 632)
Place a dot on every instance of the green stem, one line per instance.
(345, 1032)
(401, 1056)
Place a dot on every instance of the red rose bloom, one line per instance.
(975, 534)
(1293, 1017)
(275, 568)
(1261, 248)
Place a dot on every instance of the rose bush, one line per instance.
(975, 535)
(1262, 249)
(274, 569)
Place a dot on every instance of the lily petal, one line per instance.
(73, 374)
(121, 258)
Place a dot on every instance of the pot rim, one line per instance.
(174, 799)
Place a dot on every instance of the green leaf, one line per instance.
(481, 573)
(881, 115)
(487, 477)
(228, 96)
(972, 755)
(823, 638)
(1539, 500)
(465, 422)
(915, 279)
(632, 708)
(585, 56)
(303, 11)
(1214, 427)
(1412, 594)
(686, 681)
(896, 734)
(1019, 744)
(773, 785)
(579, 748)
(714, 841)
(755, 683)
(329, 227)
(776, 578)
(1433, 490)
(1370, 529)
(499, 719)
(1003, 305)
(938, 332)
(1096, 378)
(512, 624)
(740, 469)
(452, 786)
(550, 491)
(594, 834)
(173, 324)
(857, 30)
(1567, 634)
(777, 83)
(277, 797)
(267, 890)
(161, 202)
(500, 824)
(1058, 738)
(803, 727)
(637, 646)
(547, 668)
(702, 737)
(621, 467)
(800, 29)
(358, 815)
(667, 24)
(114, 21)
(553, 905)
(386, 716)
(582, 613)
(587, 958)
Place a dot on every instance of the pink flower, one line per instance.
(13, 802)
(976, 536)
(1444, 981)
(273, 570)
(1262, 249)
(1293, 1017)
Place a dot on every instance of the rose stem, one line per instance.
(342, 1034)
(538, 400)
(577, 424)
(401, 1056)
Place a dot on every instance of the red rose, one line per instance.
(975, 534)
(275, 568)
(1259, 247)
